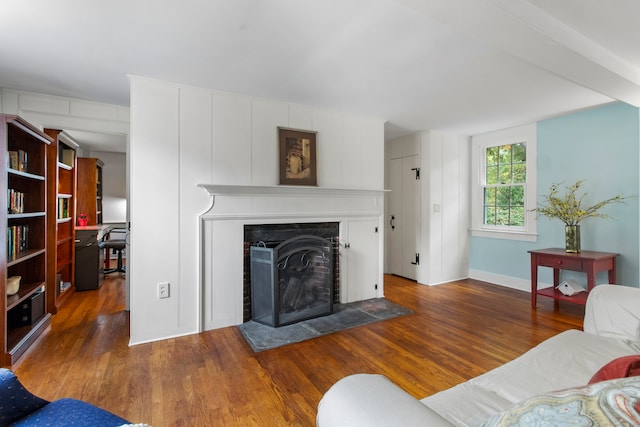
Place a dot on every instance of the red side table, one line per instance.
(587, 262)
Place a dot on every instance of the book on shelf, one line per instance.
(15, 201)
(18, 160)
(63, 208)
(17, 240)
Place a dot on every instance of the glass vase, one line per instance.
(572, 238)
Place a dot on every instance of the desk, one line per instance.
(558, 259)
(88, 274)
(102, 229)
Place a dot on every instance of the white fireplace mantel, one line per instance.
(254, 201)
(234, 206)
(284, 190)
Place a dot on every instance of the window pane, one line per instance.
(517, 216)
(503, 196)
(505, 174)
(489, 196)
(517, 196)
(492, 175)
(519, 172)
(490, 215)
(519, 153)
(502, 215)
(505, 154)
(492, 156)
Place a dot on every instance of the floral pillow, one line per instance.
(612, 403)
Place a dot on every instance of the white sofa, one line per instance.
(569, 359)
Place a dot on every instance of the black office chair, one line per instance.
(116, 244)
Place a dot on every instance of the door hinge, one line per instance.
(417, 262)
(417, 172)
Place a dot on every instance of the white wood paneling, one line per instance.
(372, 154)
(436, 232)
(351, 155)
(231, 139)
(444, 208)
(451, 205)
(266, 118)
(300, 117)
(155, 156)
(393, 219)
(329, 148)
(223, 258)
(195, 165)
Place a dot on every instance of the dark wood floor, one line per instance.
(458, 330)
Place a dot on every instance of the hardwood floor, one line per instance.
(458, 330)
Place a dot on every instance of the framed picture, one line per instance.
(297, 157)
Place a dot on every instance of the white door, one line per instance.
(361, 256)
(404, 216)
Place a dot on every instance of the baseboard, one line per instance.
(506, 281)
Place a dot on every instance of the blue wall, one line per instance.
(601, 146)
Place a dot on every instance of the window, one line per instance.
(504, 185)
(504, 193)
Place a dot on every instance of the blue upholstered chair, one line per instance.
(18, 407)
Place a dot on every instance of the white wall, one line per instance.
(65, 113)
(445, 198)
(114, 186)
(445, 203)
(183, 136)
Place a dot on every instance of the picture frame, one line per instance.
(297, 157)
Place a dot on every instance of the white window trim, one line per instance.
(479, 143)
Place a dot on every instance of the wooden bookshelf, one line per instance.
(89, 190)
(61, 185)
(24, 251)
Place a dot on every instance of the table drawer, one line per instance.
(561, 263)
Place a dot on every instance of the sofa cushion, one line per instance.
(622, 367)
(69, 413)
(612, 311)
(614, 402)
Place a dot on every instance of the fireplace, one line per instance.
(292, 272)
(233, 222)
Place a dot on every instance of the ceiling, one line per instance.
(465, 66)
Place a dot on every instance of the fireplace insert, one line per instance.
(291, 281)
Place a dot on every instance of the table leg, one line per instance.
(591, 276)
(612, 272)
(556, 282)
(534, 281)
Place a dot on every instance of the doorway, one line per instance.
(403, 222)
(111, 150)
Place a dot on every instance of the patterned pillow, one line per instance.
(15, 400)
(615, 403)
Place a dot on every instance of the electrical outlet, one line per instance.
(163, 290)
